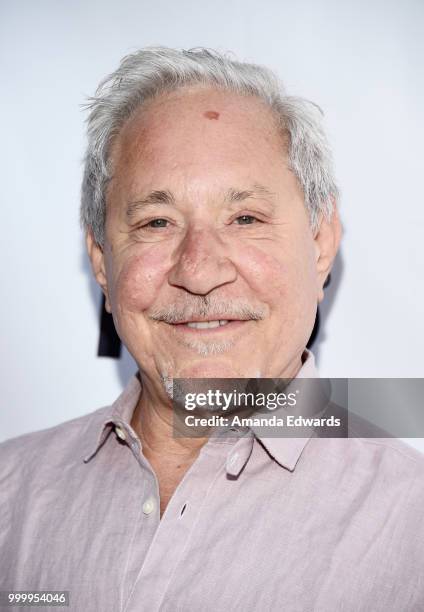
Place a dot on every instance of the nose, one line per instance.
(202, 263)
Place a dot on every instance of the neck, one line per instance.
(153, 422)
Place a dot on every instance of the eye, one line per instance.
(246, 220)
(157, 223)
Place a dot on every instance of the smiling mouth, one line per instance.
(206, 324)
(210, 325)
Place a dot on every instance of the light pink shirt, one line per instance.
(300, 525)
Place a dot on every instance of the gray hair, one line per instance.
(152, 71)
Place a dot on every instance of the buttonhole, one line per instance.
(183, 510)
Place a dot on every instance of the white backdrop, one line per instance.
(361, 61)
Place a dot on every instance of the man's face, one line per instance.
(205, 222)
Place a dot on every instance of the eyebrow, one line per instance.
(257, 191)
(154, 197)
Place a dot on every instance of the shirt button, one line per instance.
(149, 506)
(120, 433)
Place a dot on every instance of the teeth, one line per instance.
(206, 324)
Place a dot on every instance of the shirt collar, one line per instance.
(286, 451)
(118, 415)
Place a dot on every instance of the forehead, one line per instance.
(190, 115)
(198, 105)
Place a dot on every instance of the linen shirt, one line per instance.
(293, 524)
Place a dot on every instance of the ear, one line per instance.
(327, 240)
(96, 255)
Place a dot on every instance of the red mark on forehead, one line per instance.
(211, 115)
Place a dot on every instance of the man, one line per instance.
(211, 222)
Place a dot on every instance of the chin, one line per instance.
(215, 368)
(207, 369)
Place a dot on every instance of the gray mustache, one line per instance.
(206, 308)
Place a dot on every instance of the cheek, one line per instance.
(277, 273)
(138, 282)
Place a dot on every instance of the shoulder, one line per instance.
(386, 470)
(53, 444)
(373, 441)
(366, 457)
(397, 450)
(400, 465)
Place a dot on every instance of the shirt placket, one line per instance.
(174, 532)
(145, 497)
